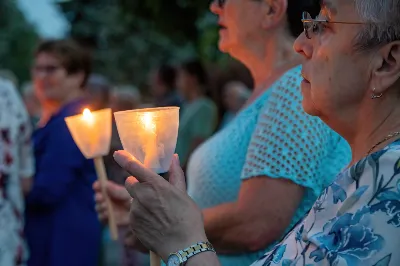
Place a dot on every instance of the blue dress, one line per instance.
(354, 222)
(62, 228)
(272, 137)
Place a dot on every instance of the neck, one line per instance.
(51, 107)
(372, 124)
(274, 55)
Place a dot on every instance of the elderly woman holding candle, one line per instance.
(258, 176)
(352, 82)
(61, 224)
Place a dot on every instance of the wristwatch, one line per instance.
(181, 257)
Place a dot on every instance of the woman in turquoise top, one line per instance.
(247, 178)
(352, 82)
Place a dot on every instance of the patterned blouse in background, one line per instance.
(16, 162)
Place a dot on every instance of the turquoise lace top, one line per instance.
(354, 222)
(272, 137)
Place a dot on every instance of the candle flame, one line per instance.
(87, 115)
(148, 122)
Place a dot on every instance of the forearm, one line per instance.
(26, 185)
(204, 258)
(223, 225)
(232, 229)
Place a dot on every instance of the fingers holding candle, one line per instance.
(119, 198)
(134, 167)
(176, 175)
(163, 217)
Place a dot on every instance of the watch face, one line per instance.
(173, 260)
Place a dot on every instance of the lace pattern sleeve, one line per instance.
(287, 143)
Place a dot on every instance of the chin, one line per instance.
(308, 104)
(309, 108)
(223, 44)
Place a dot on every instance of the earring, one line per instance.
(374, 96)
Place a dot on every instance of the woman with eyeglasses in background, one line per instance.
(61, 223)
(258, 176)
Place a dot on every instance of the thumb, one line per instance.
(176, 175)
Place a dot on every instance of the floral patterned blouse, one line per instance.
(356, 220)
(16, 162)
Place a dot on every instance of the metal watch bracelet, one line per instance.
(193, 250)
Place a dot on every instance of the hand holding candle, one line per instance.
(92, 134)
(150, 135)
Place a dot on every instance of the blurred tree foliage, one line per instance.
(18, 39)
(129, 37)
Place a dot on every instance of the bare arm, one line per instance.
(26, 185)
(259, 217)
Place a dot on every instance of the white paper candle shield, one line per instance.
(91, 131)
(150, 135)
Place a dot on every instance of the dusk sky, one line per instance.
(45, 16)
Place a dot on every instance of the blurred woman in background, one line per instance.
(16, 171)
(163, 86)
(199, 114)
(235, 95)
(61, 224)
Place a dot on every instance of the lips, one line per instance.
(304, 78)
(221, 25)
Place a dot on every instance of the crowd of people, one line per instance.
(301, 169)
(46, 182)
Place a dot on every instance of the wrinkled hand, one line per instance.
(120, 199)
(163, 217)
(132, 242)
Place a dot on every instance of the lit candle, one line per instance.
(92, 134)
(150, 136)
(151, 158)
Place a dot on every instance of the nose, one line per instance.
(303, 46)
(215, 8)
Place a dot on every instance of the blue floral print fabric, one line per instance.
(355, 221)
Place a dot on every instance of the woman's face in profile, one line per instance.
(336, 76)
(239, 21)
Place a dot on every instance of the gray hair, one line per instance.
(383, 22)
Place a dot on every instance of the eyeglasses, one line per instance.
(47, 69)
(221, 3)
(317, 25)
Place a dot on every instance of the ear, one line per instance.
(387, 72)
(274, 12)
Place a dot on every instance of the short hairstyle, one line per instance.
(72, 56)
(195, 68)
(167, 75)
(382, 20)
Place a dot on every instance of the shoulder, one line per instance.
(9, 91)
(12, 101)
(207, 103)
